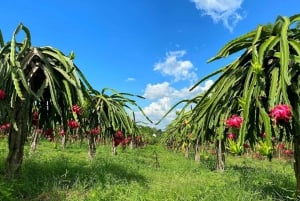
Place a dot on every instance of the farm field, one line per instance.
(150, 173)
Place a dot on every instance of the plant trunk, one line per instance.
(16, 141)
(92, 146)
(197, 150)
(34, 141)
(114, 150)
(131, 144)
(187, 151)
(81, 141)
(220, 156)
(157, 165)
(63, 141)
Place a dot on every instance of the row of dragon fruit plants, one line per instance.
(74, 133)
(282, 146)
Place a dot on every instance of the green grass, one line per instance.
(135, 175)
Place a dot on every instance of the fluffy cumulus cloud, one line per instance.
(175, 67)
(154, 91)
(157, 109)
(164, 89)
(225, 11)
(164, 96)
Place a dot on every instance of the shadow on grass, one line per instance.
(62, 174)
(270, 182)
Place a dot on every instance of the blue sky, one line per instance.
(153, 48)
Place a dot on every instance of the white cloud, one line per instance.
(154, 91)
(163, 97)
(130, 79)
(164, 89)
(221, 10)
(206, 85)
(179, 69)
(159, 108)
(156, 110)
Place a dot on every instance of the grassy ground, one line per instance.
(151, 173)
